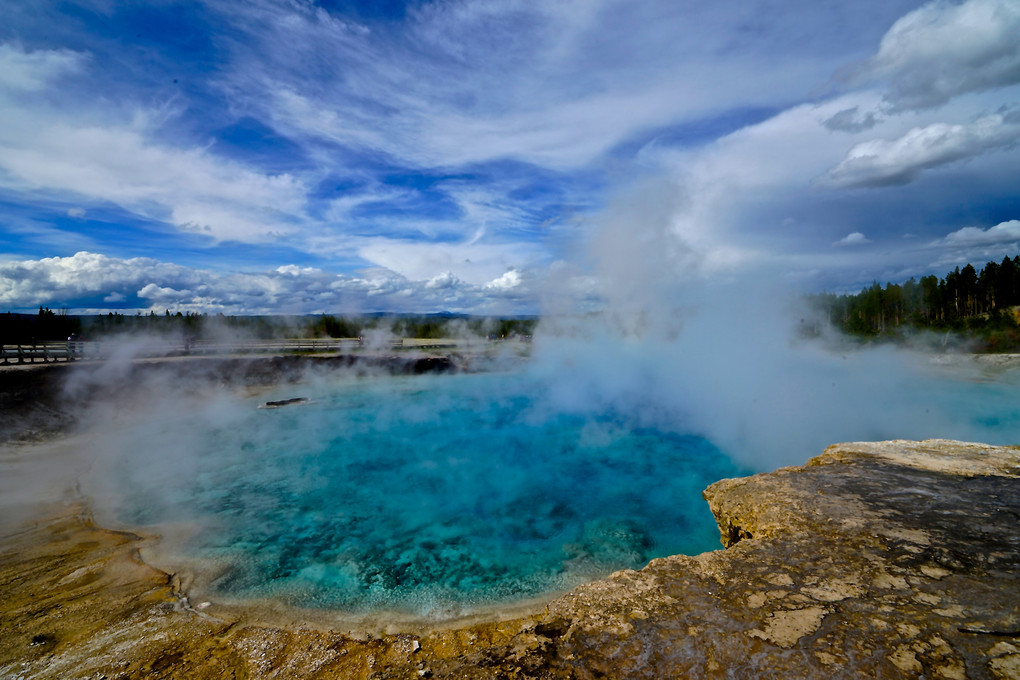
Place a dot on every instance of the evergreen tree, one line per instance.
(979, 302)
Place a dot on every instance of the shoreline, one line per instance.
(54, 463)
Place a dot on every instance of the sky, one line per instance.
(291, 156)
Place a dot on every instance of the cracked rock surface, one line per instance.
(883, 560)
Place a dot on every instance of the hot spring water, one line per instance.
(431, 495)
(436, 496)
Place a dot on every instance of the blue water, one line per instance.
(424, 495)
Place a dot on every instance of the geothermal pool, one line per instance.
(430, 496)
(442, 496)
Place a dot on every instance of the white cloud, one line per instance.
(30, 283)
(85, 278)
(723, 190)
(33, 71)
(76, 213)
(1005, 232)
(444, 280)
(510, 279)
(569, 82)
(975, 245)
(882, 162)
(472, 262)
(736, 195)
(105, 156)
(294, 270)
(854, 239)
(189, 188)
(943, 50)
(157, 293)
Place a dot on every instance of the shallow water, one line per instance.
(432, 496)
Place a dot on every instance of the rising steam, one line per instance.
(685, 345)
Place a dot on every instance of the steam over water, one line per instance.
(428, 495)
(436, 496)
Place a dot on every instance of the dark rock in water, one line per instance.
(891, 560)
(287, 402)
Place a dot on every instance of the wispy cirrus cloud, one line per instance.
(48, 151)
(567, 83)
(28, 71)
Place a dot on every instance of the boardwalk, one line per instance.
(59, 351)
(49, 352)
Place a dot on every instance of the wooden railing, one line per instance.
(46, 352)
(40, 352)
(79, 350)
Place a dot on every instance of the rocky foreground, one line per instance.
(879, 560)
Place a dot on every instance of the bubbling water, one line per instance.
(432, 495)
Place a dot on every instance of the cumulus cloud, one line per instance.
(854, 239)
(444, 280)
(30, 283)
(975, 245)
(510, 279)
(160, 294)
(943, 50)
(294, 270)
(82, 280)
(76, 213)
(882, 162)
(471, 262)
(1005, 232)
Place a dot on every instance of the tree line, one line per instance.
(980, 304)
(48, 325)
(27, 329)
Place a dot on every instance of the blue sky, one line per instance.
(495, 157)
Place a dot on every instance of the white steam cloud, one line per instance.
(726, 360)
